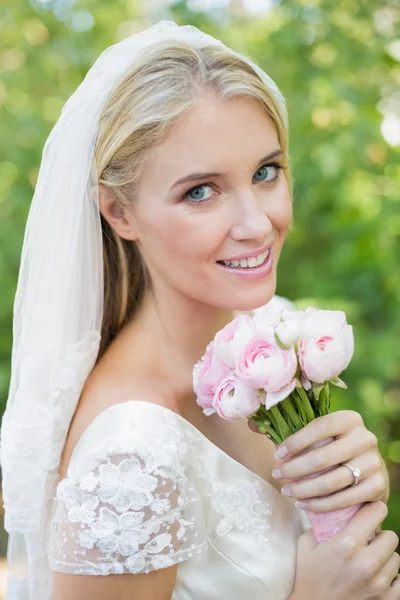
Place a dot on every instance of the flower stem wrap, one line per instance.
(326, 525)
(289, 416)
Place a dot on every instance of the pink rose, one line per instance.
(208, 372)
(230, 340)
(264, 364)
(326, 345)
(236, 400)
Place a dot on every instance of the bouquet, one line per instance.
(275, 369)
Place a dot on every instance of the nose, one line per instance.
(251, 220)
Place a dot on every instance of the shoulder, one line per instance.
(102, 393)
(135, 426)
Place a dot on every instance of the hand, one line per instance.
(347, 566)
(353, 444)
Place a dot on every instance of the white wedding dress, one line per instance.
(145, 489)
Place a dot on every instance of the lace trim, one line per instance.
(33, 433)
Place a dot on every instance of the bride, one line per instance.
(163, 201)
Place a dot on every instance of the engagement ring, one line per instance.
(356, 473)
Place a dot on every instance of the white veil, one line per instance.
(58, 309)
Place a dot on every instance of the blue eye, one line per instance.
(199, 198)
(275, 166)
(195, 190)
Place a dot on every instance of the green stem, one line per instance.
(274, 423)
(299, 405)
(324, 400)
(264, 426)
(290, 409)
(275, 437)
(314, 403)
(272, 418)
(310, 414)
(284, 429)
(328, 398)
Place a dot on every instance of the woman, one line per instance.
(192, 202)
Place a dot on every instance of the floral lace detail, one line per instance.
(243, 507)
(125, 517)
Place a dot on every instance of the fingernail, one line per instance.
(276, 473)
(300, 504)
(281, 452)
(285, 491)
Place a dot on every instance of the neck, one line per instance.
(172, 335)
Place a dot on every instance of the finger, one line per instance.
(337, 479)
(393, 593)
(335, 424)
(382, 548)
(383, 580)
(367, 490)
(332, 454)
(364, 523)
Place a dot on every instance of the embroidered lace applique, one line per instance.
(125, 517)
(243, 507)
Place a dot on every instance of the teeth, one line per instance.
(252, 262)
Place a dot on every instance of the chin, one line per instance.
(253, 301)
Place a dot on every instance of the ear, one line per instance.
(119, 218)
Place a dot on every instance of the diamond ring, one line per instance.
(356, 473)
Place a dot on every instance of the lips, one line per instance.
(255, 253)
(251, 273)
(247, 263)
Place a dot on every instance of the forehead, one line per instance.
(214, 135)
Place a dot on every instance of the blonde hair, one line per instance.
(164, 83)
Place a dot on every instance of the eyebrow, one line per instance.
(196, 176)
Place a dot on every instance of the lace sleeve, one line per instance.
(126, 515)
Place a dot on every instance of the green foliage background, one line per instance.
(335, 62)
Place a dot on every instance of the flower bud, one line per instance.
(287, 333)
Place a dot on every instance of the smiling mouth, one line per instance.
(247, 263)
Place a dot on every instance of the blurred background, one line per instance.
(338, 64)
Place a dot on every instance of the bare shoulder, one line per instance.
(104, 388)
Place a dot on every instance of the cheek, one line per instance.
(285, 217)
(282, 212)
(178, 238)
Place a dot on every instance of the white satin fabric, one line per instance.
(145, 489)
